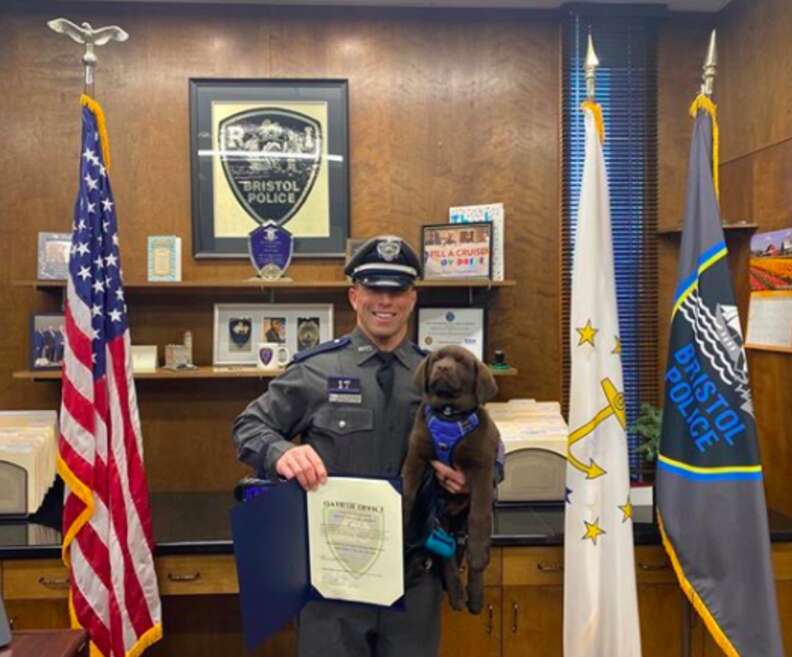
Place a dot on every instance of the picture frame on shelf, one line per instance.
(457, 251)
(443, 326)
(46, 341)
(53, 256)
(269, 150)
(492, 213)
(239, 328)
(144, 358)
(164, 259)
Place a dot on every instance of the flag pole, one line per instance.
(590, 71)
(86, 35)
(709, 71)
(590, 68)
(710, 67)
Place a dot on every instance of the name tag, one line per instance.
(344, 390)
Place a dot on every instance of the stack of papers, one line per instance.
(534, 436)
(28, 440)
(529, 423)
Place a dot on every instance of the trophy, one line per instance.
(271, 247)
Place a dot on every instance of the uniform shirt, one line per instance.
(355, 433)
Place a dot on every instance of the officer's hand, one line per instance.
(305, 464)
(452, 480)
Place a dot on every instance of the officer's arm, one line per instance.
(263, 431)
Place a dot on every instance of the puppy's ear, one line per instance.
(421, 377)
(486, 388)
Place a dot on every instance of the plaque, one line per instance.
(271, 247)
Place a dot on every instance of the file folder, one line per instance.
(271, 548)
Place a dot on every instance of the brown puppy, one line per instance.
(455, 385)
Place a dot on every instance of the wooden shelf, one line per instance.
(255, 284)
(741, 225)
(201, 372)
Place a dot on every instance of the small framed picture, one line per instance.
(53, 256)
(46, 341)
(239, 329)
(457, 250)
(440, 327)
(164, 258)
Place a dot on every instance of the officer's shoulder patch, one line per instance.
(325, 347)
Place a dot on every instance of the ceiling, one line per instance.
(674, 5)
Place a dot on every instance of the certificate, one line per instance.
(443, 327)
(355, 540)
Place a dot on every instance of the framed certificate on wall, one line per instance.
(440, 327)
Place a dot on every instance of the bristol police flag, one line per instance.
(710, 495)
(600, 605)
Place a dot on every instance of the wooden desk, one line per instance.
(47, 643)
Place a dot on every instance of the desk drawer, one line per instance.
(652, 565)
(197, 575)
(35, 579)
(782, 561)
(533, 566)
(544, 566)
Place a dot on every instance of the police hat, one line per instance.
(384, 262)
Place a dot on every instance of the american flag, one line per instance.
(107, 538)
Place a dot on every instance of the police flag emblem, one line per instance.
(271, 159)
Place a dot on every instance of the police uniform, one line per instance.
(330, 396)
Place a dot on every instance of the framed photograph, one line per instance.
(457, 250)
(492, 213)
(46, 341)
(53, 256)
(440, 327)
(164, 258)
(239, 328)
(269, 150)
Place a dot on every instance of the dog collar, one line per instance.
(447, 433)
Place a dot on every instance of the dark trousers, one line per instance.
(332, 629)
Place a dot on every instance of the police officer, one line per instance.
(353, 401)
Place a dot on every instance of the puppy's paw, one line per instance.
(475, 600)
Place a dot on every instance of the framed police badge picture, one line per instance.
(240, 328)
(267, 151)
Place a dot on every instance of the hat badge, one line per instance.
(389, 249)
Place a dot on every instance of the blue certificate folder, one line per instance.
(270, 533)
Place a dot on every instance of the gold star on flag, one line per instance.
(593, 530)
(627, 510)
(587, 334)
(617, 348)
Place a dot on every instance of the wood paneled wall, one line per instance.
(753, 92)
(446, 108)
(755, 105)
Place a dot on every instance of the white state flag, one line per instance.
(600, 603)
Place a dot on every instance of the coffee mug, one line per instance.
(272, 356)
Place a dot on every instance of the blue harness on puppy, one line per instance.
(446, 433)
